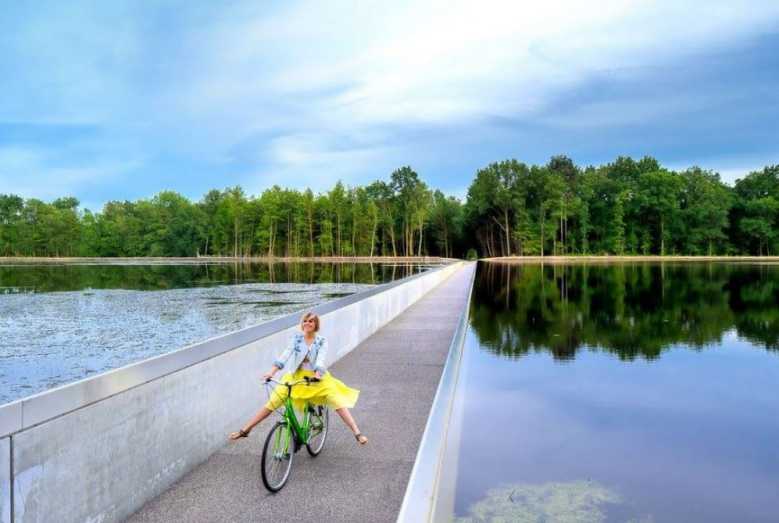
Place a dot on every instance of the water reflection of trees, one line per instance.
(632, 310)
(48, 278)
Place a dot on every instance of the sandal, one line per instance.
(362, 441)
(240, 434)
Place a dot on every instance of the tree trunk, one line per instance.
(373, 235)
(421, 226)
(446, 241)
(289, 235)
(338, 233)
(235, 237)
(406, 238)
(354, 233)
(542, 230)
(310, 234)
(392, 239)
(561, 227)
(270, 240)
(507, 230)
(662, 236)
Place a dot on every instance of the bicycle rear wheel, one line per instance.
(277, 455)
(319, 423)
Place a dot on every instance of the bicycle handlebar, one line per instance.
(307, 380)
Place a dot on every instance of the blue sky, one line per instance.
(119, 100)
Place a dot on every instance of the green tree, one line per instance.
(496, 199)
(446, 221)
(209, 206)
(382, 195)
(705, 205)
(754, 214)
(659, 195)
(11, 207)
(412, 201)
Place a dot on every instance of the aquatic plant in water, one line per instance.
(575, 502)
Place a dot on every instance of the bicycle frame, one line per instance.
(302, 428)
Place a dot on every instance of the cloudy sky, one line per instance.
(119, 100)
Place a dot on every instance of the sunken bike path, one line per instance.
(397, 371)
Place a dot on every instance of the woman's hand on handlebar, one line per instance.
(268, 375)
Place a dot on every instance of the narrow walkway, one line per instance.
(397, 371)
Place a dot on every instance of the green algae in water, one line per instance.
(573, 502)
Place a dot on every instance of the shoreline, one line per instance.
(202, 260)
(517, 260)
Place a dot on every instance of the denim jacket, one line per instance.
(296, 351)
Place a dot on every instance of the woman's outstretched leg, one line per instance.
(261, 415)
(349, 420)
(278, 396)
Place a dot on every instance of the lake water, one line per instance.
(620, 393)
(61, 323)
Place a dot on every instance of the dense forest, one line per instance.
(623, 207)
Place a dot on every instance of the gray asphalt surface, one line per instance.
(397, 371)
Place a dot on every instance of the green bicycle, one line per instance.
(289, 434)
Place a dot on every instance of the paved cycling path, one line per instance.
(397, 371)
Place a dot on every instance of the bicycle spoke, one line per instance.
(316, 440)
(277, 457)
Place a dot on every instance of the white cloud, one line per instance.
(449, 60)
(293, 82)
(313, 161)
(28, 172)
(333, 68)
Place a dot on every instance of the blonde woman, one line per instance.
(305, 357)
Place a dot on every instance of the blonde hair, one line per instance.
(310, 315)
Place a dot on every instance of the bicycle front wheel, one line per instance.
(277, 455)
(319, 423)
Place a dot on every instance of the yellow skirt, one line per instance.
(330, 391)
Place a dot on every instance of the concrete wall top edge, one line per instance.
(36, 409)
(5, 480)
(10, 418)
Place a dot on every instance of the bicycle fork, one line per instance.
(282, 443)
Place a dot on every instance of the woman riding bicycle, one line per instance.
(305, 358)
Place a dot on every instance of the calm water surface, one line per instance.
(620, 393)
(61, 323)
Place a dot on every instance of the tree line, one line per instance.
(623, 207)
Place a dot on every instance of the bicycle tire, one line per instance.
(315, 443)
(276, 460)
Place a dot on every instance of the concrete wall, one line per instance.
(103, 459)
(5, 480)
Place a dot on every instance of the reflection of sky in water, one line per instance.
(688, 437)
(49, 339)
